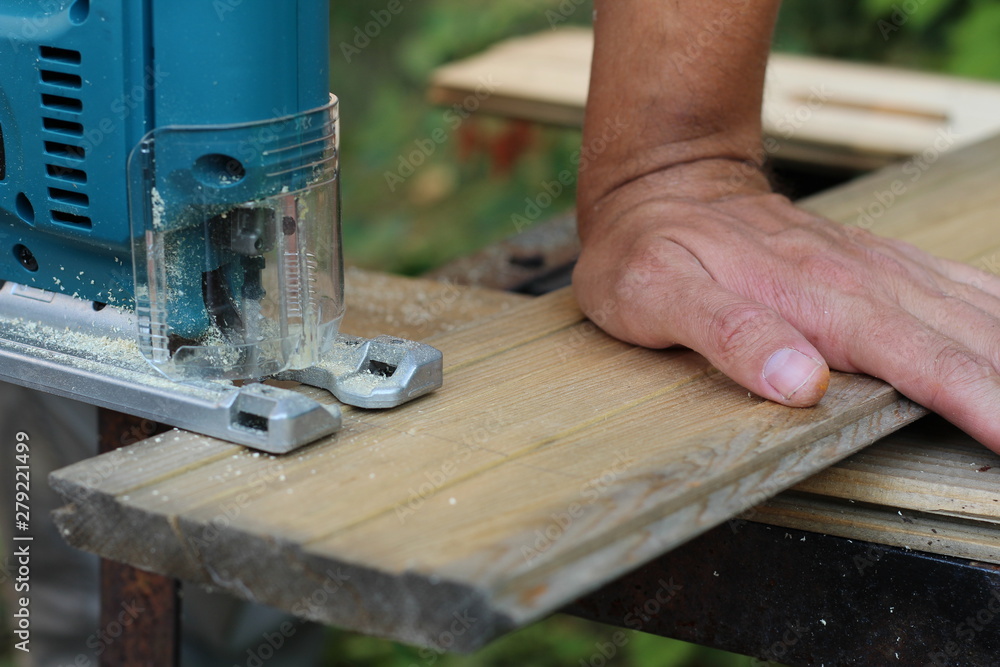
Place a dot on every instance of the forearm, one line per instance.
(682, 82)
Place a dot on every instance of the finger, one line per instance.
(961, 319)
(930, 368)
(954, 309)
(971, 276)
(959, 272)
(745, 339)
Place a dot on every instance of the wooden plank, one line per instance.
(554, 459)
(917, 531)
(820, 111)
(931, 468)
(378, 303)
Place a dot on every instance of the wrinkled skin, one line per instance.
(740, 277)
(683, 242)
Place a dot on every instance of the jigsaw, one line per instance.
(170, 218)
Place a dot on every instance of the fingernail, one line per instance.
(788, 370)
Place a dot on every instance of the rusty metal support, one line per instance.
(140, 611)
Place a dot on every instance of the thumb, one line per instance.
(749, 342)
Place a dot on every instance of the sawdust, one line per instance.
(412, 307)
(363, 383)
(123, 350)
(104, 355)
(216, 350)
(158, 208)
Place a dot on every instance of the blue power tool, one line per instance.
(169, 216)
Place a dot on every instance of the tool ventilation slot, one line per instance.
(66, 174)
(70, 219)
(66, 151)
(61, 79)
(61, 103)
(60, 126)
(63, 133)
(69, 197)
(57, 55)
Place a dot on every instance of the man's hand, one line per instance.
(683, 242)
(774, 296)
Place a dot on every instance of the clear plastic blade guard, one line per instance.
(236, 246)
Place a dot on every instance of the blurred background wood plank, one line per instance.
(820, 111)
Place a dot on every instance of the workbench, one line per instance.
(556, 460)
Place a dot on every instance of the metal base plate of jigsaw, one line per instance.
(80, 350)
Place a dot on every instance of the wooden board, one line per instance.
(902, 491)
(553, 460)
(820, 111)
(379, 303)
(927, 487)
(916, 531)
(930, 468)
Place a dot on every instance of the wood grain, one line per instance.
(554, 459)
(413, 308)
(917, 531)
(819, 111)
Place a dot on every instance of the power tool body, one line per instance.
(169, 217)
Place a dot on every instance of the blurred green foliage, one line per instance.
(561, 641)
(955, 36)
(464, 195)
